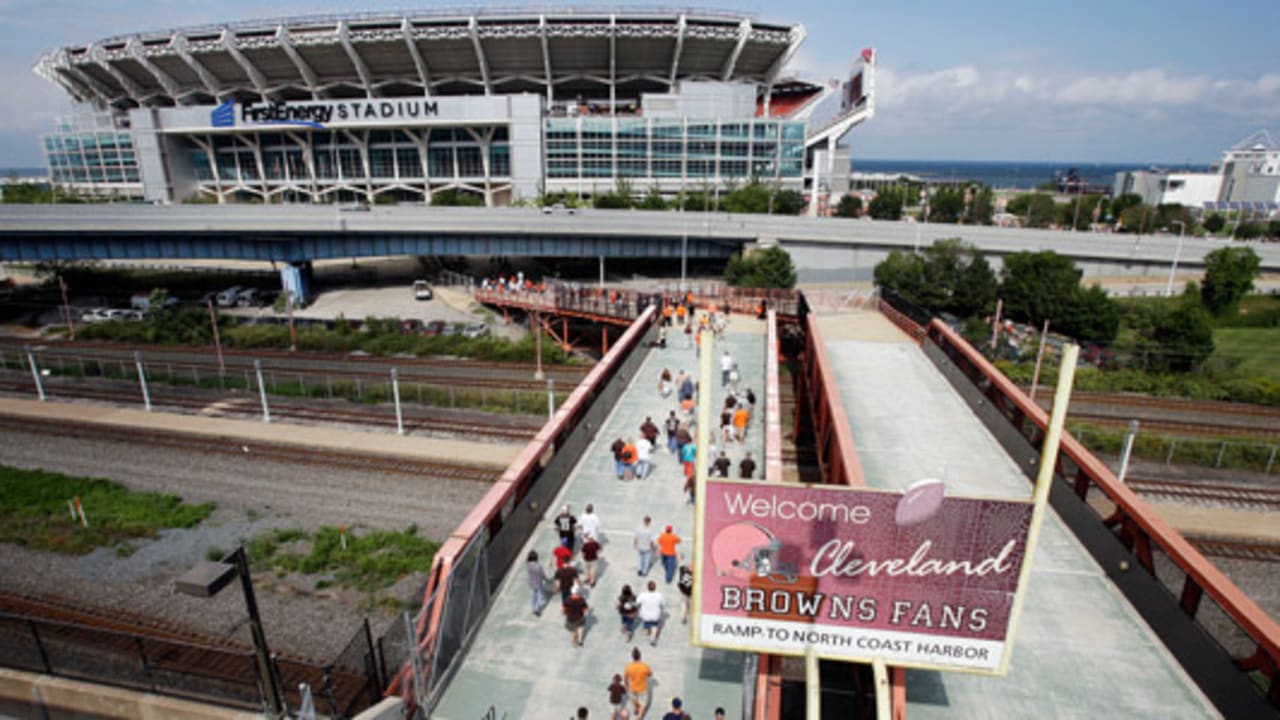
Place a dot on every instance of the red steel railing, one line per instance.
(1140, 528)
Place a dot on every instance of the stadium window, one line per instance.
(381, 164)
(500, 161)
(469, 162)
(440, 161)
(410, 163)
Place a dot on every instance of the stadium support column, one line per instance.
(295, 277)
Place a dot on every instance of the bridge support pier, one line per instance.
(295, 278)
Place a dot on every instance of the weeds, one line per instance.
(371, 561)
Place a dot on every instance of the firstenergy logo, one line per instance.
(224, 115)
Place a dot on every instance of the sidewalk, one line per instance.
(525, 666)
(498, 455)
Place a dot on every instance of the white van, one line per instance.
(421, 290)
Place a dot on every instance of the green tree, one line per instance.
(750, 198)
(1078, 212)
(850, 206)
(1183, 337)
(1213, 223)
(1124, 202)
(1249, 231)
(982, 208)
(1273, 229)
(947, 276)
(1228, 276)
(454, 197)
(787, 202)
(1139, 219)
(768, 268)
(947, 205)
(653, 200)
(1035, 209)
(1044, 285)
(887, 204)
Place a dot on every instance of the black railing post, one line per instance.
(142, 658)
(44, 656)
(371, 665)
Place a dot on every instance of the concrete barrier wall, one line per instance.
(45, 697)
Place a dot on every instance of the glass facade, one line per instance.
(656, 148)
(93, 152)
(383, 156)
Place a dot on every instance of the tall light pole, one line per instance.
(1177, 255)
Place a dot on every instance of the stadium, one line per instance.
(500, 105)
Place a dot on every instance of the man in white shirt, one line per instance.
(651, 604)
(726, 364)
(589, 523)
(644, 451)
(643, 543)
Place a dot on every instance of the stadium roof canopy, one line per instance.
(561, 52)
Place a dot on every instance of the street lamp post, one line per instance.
(206, 580)
(1177, 255)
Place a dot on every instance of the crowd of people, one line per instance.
(646, 604)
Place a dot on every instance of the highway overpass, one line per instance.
(825, 249)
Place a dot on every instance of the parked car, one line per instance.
(209, 297)
(95, 315)
(229, 297)
(411, 326)
(558, 207)
(435, 327)
(449, 329)
(355, 207)
(475, 330)
(422, 290)
(118, 314)
(249, 297)
(142, 300)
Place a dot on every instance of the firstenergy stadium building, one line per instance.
(402, 106)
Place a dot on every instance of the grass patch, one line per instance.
(371, 561)
(1252, 352)
(34, 512)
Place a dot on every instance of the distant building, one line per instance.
(1248, 180)
(1169, 187)
(1251, 171)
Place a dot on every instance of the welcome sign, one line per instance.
(916, 578)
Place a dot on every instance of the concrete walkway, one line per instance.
(525, 666)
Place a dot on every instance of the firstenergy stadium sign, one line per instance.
(916, 578)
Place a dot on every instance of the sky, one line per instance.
(1127, 81)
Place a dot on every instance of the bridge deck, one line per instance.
(524, 666)
(1081, 650)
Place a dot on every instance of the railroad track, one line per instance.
(1174, 404)
(188, 400)
(1183, 428)
(1268, 498)
(460, 372)
(365, 462)
(1238, 549)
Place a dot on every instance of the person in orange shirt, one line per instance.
(680, 313)
(667, 313)
(740, 419)
(637, 675)
(629, 457)
(667, 542)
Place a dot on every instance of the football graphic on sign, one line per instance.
(920, 501)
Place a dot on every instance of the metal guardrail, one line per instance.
(492, 535)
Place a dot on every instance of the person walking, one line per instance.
(617, 698)
(664, 383)
(688, 456)
(589, 523)
(735, 376)
(562, 555)
(747, 468)
(628, 611)
(649, 431)
(688, 336)
(684, 583)
(726, 424)
(672, 424)
(618, 466)
(740, 419)
(565, 524)
(638, 674)
(677, 711)
(591, 558)
(643, 544)
(651, 604)
(720, 466)
(644, 453)
(629, 458)
(686, 387)
(726, 365)
(575, 615)
(566, 577)
(537, 582)
(667, 543)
